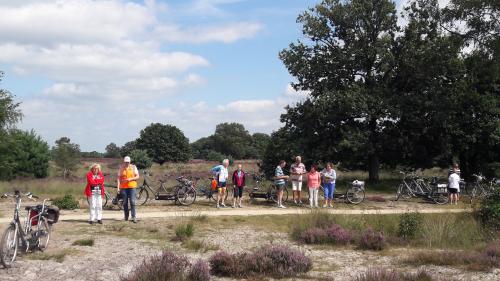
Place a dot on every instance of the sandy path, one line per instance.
(116, 215)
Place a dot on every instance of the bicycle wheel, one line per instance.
(142, 196)
(43, 234)
(9, 246)
(104, 200)
(274, 195)
(355, 195)
(321, 192)
(185, 196)
(403, 192)
(215, 194)
(439, 198)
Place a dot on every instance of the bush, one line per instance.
(184, 231)
(476, 261)
(199, 271)
(68, 202)
(489, 211)
(332, 234)
(165, 267)
(372, 240)
(84, 242)
(141, 159)
(409, 224)
(275, 261)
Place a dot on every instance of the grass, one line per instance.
(84, 242)
(58, 255)
(471, 260)
(199, 246)
(184, 231)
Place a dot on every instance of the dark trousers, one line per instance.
(128, 194)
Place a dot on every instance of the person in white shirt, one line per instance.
(454, 185)
(297, 169)
(222, 176)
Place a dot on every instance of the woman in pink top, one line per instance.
(313, 182)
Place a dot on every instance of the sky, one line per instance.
(100, 71)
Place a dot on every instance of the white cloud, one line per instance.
(227, 33)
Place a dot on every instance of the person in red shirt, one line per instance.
(238, 185)
(95, 192)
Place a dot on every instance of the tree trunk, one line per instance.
(373, 168)
(373, 159)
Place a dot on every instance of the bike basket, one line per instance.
(358, 184)
(52, 214)
(442, 188)
(34, 217)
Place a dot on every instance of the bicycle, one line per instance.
(480, 189)
(354, 194)
(207, 191)
(35, 234)
(270, 194)
(414, 186)
(116, 200)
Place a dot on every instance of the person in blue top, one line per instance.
(329, 176)
(221, 175)
(280, 182)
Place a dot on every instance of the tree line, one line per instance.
(424, 94)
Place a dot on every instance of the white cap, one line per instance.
(126, 159)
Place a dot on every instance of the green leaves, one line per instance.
(164, 143)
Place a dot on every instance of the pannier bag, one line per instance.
(33, 216)
(52, 214)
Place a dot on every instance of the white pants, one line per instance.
(296, 185)
(96, 205)
(313, 197)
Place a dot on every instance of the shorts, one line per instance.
(329, 190)
(280, 186)
(238, 191)
(297, 185)
(221, 184)
(452, 190)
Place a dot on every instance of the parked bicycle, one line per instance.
(414, 186)
(116, 199)
(183, 192)
(207, 191)
(481, 188)
(269, 193)
(354, 194)
(34, 234)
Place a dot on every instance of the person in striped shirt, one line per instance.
(280, 182)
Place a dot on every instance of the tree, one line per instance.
(259, 143)
(30, 154)
(164, 143)
(127, 148)
(112, 151)
(66, 155)
(9, 110)
(231, 139)
(347, 68)
(141, 159)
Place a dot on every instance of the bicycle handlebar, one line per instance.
(28, 195)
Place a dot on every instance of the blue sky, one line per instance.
(100, 71)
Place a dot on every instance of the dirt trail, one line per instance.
(116, 215)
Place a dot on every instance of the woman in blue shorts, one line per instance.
(328, 177)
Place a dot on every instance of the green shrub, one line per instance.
(84, 242)
(184, 231)
(68, 202)
(489, 210)
(141, 159)
(409, 225)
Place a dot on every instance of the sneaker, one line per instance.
(99, 221)
(282, 207)
(324, 205)
(301, 203)
(126, 219)
(91, 222)
(240, 206)
(134, 220)
(218, 206)
(223, 205)
(234, 206)
(295, 202)
(330, 206)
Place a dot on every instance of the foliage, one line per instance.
(199, 271)
(141, 159)
(164, 143)
(68, 202)
(230, 139)
(91, 154)
(184, 231)
(127, 148)
(25, 154)
(334, 234)
(112, 151)
(66, 155)
(10, 113)
(409, 225)
(165, 267)
(270, 260)
(84, 242)
(489, 211)
(372, 240)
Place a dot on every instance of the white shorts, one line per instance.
(297, 185)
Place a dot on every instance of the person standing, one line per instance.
(127, 183)
(94, 190)
(238, 186)
(221, 174)
(313, 182)
(454, 184)
(296, 171)
(329, 177)
(280, 182)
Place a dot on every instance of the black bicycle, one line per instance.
(34, 234)
(270, 193)
(116, 200)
